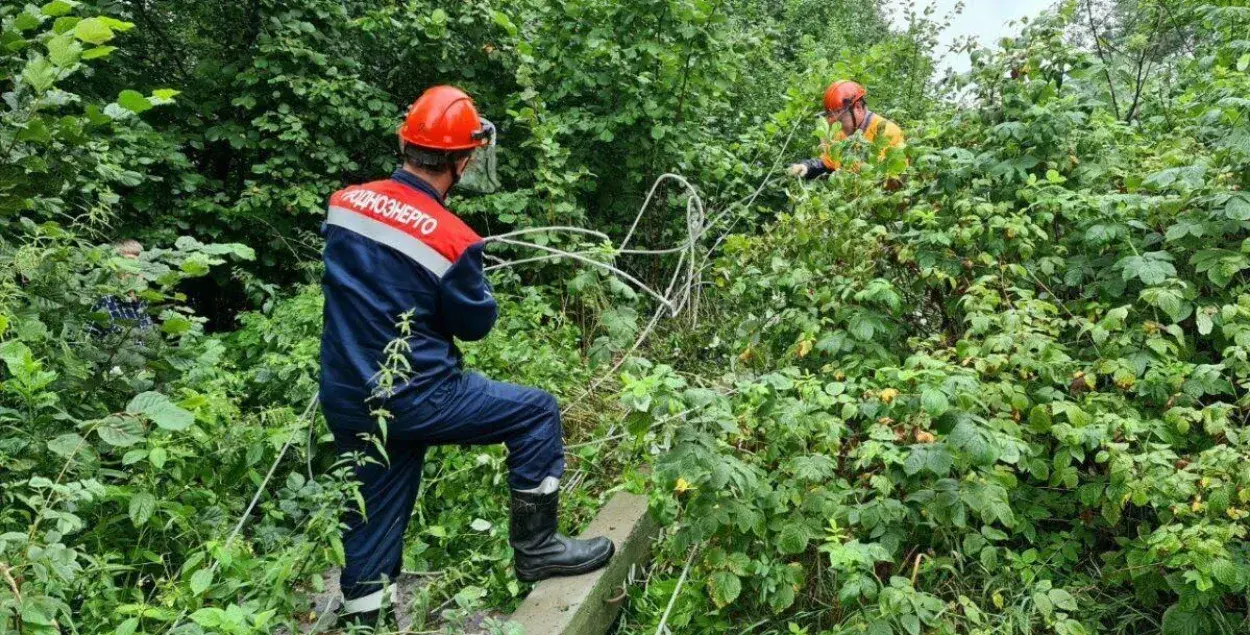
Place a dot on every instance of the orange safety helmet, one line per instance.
(444, 119)
(842, 95)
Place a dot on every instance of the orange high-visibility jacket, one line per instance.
(874, 125)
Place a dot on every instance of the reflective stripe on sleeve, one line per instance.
(406, 244)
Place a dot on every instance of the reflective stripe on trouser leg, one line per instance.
(550, 485)
(373, 544)
(372, 602)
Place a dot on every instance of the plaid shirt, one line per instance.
(129, 311)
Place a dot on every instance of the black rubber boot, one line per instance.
(539, 551)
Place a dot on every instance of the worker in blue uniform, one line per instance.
(400, 266)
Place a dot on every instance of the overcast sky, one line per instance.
(986, 19)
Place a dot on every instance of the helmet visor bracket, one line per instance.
(481, 176)
(837, 114)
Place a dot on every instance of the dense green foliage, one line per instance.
(1006, 398)
(993, 385)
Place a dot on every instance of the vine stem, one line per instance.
(312, 403)
(30, 536)
(8, 577)
(17, 593)
(238, 527)
(660, 630)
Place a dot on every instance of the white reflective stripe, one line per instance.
(371, 602)
(550, 485)
(391, 237)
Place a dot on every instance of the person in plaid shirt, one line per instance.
(129, 310)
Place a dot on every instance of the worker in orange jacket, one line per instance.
(846, 104)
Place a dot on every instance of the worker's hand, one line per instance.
(798, 169)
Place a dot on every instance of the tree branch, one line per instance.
(1106, 66)
(1142, 67)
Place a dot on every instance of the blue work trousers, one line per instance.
(468, 409)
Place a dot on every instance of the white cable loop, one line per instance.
(553, 228)
(697, 225)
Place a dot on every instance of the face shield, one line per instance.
(836, 116)
(480, 175)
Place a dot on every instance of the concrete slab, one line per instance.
(588, 604)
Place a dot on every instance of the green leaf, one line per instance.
(1180, 622)
(34, 612)
(146, 402)
(793, 538)
(1167, 299)
(469, 596)
(119, 432)
(127, 627)
(782, 598)
(1063, 600)
(1225, 571)
(158, 457)
(724, 587)
(1238, 208)
(64, 50)
(65, 24)
(911, 623)
(1204, 321)
(93, 31)
(1151, 268)
(133, 101)
(739, 563)
(862, 328)
(209, 617)
(161, 411)
(97, 52)
(66, 444)
(201, 580)
(969, 438)
(27, 20)
(504, 22)
(15, 355)
(176, 325)
(934, 402)
(916, 461)
(120, 26)
(934, 458)
(1044, 604)
(1039, 419)
(40, 73)
(940, 460)
(813, 468)
(141, 507)
(58, 8)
